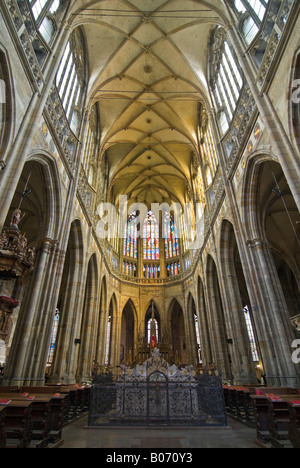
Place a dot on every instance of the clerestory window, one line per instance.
(227, 81)
(43, 11)
(70, 80)
(254, 11)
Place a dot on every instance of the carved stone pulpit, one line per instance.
(15, 257)
(7, 306)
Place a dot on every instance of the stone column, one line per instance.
(27, 339)
(272, 318)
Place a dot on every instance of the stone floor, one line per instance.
(236, 435)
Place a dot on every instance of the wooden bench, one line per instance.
(273, 418)
(8, 389)
(40, 416)
(261, 410)
(17, 423)
(44, 414)
(239, 404)
(279, 420)
(294, 425)
(2, 431)
(76, 398)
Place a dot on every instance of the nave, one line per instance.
(183, 118)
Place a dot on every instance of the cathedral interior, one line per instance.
(183, 117)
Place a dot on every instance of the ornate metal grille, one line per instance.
(156, 394)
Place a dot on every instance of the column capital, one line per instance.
(257, 242)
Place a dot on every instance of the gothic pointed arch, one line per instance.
(6, 103)
(110, 330)
(153, 324)
(178, 333)
(128, 322)
(273, 242)
(219, 338)
(195, 341)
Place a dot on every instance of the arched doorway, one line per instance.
(218, 333)
(101, 336)
(273, 230)
(110, 333)
(179, 344)
(38, 196)
(195, 342)
(127, 334)
(246, 363)
(89, 322)
(66, 321)
(204, 325)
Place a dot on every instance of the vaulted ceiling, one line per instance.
(148, 69)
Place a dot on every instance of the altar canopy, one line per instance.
(158, 394)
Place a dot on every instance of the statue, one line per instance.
(16, 218)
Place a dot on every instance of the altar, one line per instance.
(158, 394)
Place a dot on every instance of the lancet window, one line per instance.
(171, 237)
(70, 80)
(254, 12)
(131, 239)
(226, 79)
(151, 237)
(43, 12)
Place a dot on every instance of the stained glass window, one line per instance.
(151, 237)
(129, 268)
(131, 240)
(53, 337)
(173, 269)
(151, 271)
(171, 237)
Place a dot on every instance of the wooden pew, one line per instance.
(279, 420)
(8, 389)
(273, 417)
(2, 431)
(40, 416)
(76, 400)
(261, 410)
(51, 407)
(57, 416)
(54, 390)
(239, 404)
(17, 423)
(294, 425)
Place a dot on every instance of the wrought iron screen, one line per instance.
(157, 394)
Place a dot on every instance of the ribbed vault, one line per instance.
(148, 68)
